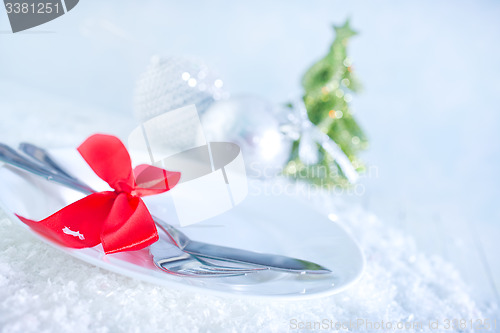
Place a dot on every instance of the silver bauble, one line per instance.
(173, 82)
(253, 124)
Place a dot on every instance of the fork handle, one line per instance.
(45, 166)
(42, 156)
(12, 157)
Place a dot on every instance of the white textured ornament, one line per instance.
(173, 82)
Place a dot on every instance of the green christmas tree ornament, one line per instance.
(328, 88)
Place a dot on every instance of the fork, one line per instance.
(205, 251)
(166, 256)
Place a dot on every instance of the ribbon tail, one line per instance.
(327, 144)
(77, 225)
(338, 155)
(129, 226)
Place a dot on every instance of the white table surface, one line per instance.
(430, 108)
(43, 289)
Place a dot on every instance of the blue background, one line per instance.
(430, 106)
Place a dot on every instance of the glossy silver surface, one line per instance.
(172, 259)
(198, 249)
(166, 256)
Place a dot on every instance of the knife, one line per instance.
(201, 249)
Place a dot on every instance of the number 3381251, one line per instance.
(32, 8)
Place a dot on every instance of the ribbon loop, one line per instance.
(119, 220)
(109, 159)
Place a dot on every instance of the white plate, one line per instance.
(264, 223)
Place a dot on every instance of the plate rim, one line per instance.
(174, 281)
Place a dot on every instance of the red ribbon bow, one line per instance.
(119, 219)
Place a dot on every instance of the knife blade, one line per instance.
(201, 249)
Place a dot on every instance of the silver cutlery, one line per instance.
(166, 256)
(200, 249)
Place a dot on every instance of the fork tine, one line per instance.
(174, 261)
(222, 269)
(236, 268)
(195, 272)
(189, 265)
(203, 273)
